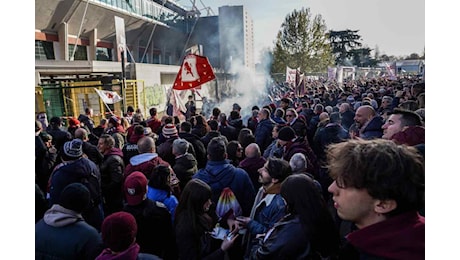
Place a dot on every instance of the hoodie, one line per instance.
(63, 234)
(129, 254)
(144, 162)
(399, 237)
(222, 174)
(58, 216)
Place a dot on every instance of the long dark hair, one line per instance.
(195, 194)
(159, 178)
(305, 200)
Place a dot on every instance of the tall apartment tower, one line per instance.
(236, 38)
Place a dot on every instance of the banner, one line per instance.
(331, 73)
(391, 70)
(194, 72)
(290, 75)
(108, 97)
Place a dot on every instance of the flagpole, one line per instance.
(123, 82)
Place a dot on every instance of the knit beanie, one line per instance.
(75, 196)
(169, 130)
(73, 121)
(119, 231)
(73, 149)
(286, 134)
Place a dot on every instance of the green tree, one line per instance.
(362, 57)
(302, 42)
(343, 43)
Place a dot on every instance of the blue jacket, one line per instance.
(263, 133)
(75, 171)
(162, 196)
(63, 234)
(373, 129)
(286, 240)
(222, 174)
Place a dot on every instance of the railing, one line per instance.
(145, 8)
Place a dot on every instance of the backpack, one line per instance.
(228, 205)
(93, 183)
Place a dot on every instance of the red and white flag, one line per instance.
(290, 75)
(109, 97)
(194, 72)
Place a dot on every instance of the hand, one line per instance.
(232, 225)
(243, 220)
(226, 243)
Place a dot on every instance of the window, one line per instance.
(44, 50)
(104, 54)
(80, 53)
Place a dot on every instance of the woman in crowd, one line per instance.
(307, 231)
(159, 188)
(194, 224)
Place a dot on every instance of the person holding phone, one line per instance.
(269, 206)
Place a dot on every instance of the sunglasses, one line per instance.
(289, 115)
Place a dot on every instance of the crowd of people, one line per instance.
(335, 173)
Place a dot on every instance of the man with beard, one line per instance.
(368, 124)
(269, 206)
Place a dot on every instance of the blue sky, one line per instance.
(396, 27)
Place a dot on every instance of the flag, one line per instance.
(194, 71)
(290, 75)
(299, 83)
(178, 108)
(331, 73)
(391, 71)
(109, 97)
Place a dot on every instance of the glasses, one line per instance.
(289, 115)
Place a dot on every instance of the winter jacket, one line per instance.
(196, 244)
(331, 133)
(263, 133)
(399, 237)
(165, 197)
(252, 166)
(221, 174)
(207, 138)
(273, 150)
(184, 168)
(112, 168)
(64, 234)
(75, 171)
(131, 253)
(155, 233)
(164, 150)
(144, 162)
(300, 145)
(198, 146)
(286, 240)
(372, 129)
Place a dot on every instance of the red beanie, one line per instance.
(119, 231)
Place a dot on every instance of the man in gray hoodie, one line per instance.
(63, 233)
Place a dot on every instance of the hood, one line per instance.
(141, 158)
(188, 161)
(134, 138)
(412, 135)
(58, 216)
(218, 174)
(129, 254)
(252, 162)
(399, 237)
(114, 151)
